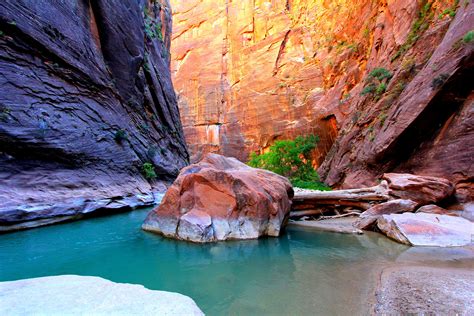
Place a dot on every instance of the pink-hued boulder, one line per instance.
(421, 189)
(221, 198)
(368, 218)
(423, 229)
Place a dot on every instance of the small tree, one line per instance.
(149, 171)
(292, 159)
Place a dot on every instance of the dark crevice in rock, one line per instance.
(449, 99)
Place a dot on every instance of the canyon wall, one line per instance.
(86, 101)
(253, 71)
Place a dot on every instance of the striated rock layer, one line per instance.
(86, 100)
(249, 72)
(221, 198)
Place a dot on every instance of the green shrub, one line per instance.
(418, 28)
(4, 113)
(149, 171)
(291, 158)
(376, 82)
(153, 28)
(381, 88)
(369, 89)
(380, 74)
(468, 37)
(120, 135)
(439, 81)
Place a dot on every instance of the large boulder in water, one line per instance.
(86, 295)
(221, 198)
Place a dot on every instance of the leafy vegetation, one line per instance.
(380, 74)
(149, 171)
(291, 158)
(376, 82)
(468, 37)
(120, 135)
(153, 28)
(419, 26)
(439, 80)
(4, 113)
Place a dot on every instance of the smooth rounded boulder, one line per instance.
(88, 295)
(221, 198)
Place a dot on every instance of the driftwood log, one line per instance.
(313, 203)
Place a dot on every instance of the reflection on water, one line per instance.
(302, 272)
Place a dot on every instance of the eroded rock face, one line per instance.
(424, 123)
(86, 295)
(221, 198)
(421, 189)
(249, 72)
(423, 229)
(369, 218)
(86, 100)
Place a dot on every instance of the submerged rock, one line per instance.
(423, 229)
(221, 198)
(369, 218)
(421, 189)
(85, 295)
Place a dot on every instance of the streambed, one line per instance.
(302, 272)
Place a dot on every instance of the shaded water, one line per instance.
(302, 272)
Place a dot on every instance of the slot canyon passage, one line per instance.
(201, 156)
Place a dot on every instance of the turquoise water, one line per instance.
(302, 272)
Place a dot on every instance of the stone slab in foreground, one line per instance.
(85, 295)
(423, 229)
(425, 291)
(221, 198)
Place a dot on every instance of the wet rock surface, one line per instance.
(221, 198)
(84, 105)
(86, 295)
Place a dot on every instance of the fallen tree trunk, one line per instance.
(306, 213)
(339, 216)
(310, 204)
(377, 193)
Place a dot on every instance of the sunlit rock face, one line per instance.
(249, 72)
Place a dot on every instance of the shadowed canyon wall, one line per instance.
(249, 72)
(86, 100)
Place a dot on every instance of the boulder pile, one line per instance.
(403, 207)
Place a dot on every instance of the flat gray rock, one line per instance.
(423, 229)
(85, 295)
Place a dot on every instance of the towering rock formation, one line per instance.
(387, 85)
(86, 101)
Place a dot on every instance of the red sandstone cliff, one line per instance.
(250, 72)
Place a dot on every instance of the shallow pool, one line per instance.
(302, 272)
